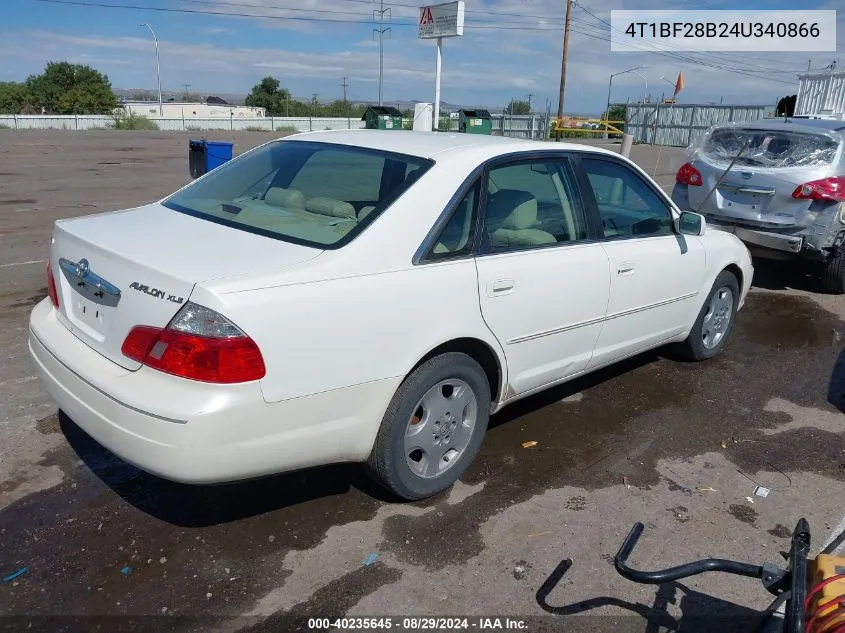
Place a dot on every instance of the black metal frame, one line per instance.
(788, 583)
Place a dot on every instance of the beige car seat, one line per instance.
(285, 198)
(512, 218)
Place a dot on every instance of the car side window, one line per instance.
(627, 205)
(456, 237)
(533, 203)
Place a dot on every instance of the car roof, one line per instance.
(431, 144)
(806, 124)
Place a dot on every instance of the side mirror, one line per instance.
(691, 223)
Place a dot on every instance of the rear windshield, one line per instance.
(769, 148)
(316, 194)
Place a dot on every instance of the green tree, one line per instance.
(518, 107)
(268, 95)
(616, 113)
(14, 97)
(67, 88)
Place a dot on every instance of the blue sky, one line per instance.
(489, 65)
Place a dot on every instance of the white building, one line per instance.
(821, 94)
(188, 110)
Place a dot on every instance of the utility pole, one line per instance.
(379, 14)
(345, 86)
(567, 22)
(530, 94)
(186, 90)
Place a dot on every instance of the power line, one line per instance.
(670, 49)
(687, 59)
(208, 12)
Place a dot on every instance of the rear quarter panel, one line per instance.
(335, 333)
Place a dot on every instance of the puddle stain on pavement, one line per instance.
(629, 417)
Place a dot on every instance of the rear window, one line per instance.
(769, 148)
(316, 194)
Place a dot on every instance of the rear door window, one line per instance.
(768, 148)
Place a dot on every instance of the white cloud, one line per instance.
(486, 66)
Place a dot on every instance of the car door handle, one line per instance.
(625, 269)
(500, 287)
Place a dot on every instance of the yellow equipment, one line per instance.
(826, 594)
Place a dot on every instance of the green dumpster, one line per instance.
(475, 122)
(382, 118)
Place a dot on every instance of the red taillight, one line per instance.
(825, 189)
(51, 285)
(207, 358)
(688, 175)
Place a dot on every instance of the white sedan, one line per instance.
(368, 296)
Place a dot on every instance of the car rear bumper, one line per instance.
(196, 432)
(758, 237)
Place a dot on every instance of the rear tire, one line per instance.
(833, 275)
(715, 321)
(433, 427)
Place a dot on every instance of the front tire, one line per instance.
(433, 427)
(833, 275)
(715, 321)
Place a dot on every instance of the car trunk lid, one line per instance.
(138, 267)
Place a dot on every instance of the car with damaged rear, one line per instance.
(778, 184)
(356, 296)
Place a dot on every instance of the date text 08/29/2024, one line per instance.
(418, 623)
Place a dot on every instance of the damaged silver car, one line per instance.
(778, 184)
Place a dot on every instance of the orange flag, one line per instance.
(679, 84)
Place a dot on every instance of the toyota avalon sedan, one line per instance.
(368, 296)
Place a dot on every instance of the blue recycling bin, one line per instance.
(203, 156)
(217, 153)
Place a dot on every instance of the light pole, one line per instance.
(645, 79)
(609, 84)
(158, 70)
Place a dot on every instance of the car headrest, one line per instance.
(288, 198)
(512, 209)
(330, 207)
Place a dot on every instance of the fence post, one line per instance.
(16, 120)
(76, 120)
(272, 124)
(656, 123)
(691, 123)
(310, 125)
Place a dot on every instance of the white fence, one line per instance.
(527, 126)
(91, 122)
(680, 125)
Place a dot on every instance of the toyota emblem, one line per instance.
(82, 268)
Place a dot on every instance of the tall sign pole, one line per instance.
(436, 22)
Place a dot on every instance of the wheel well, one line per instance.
(736, 271)
(479, 351)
